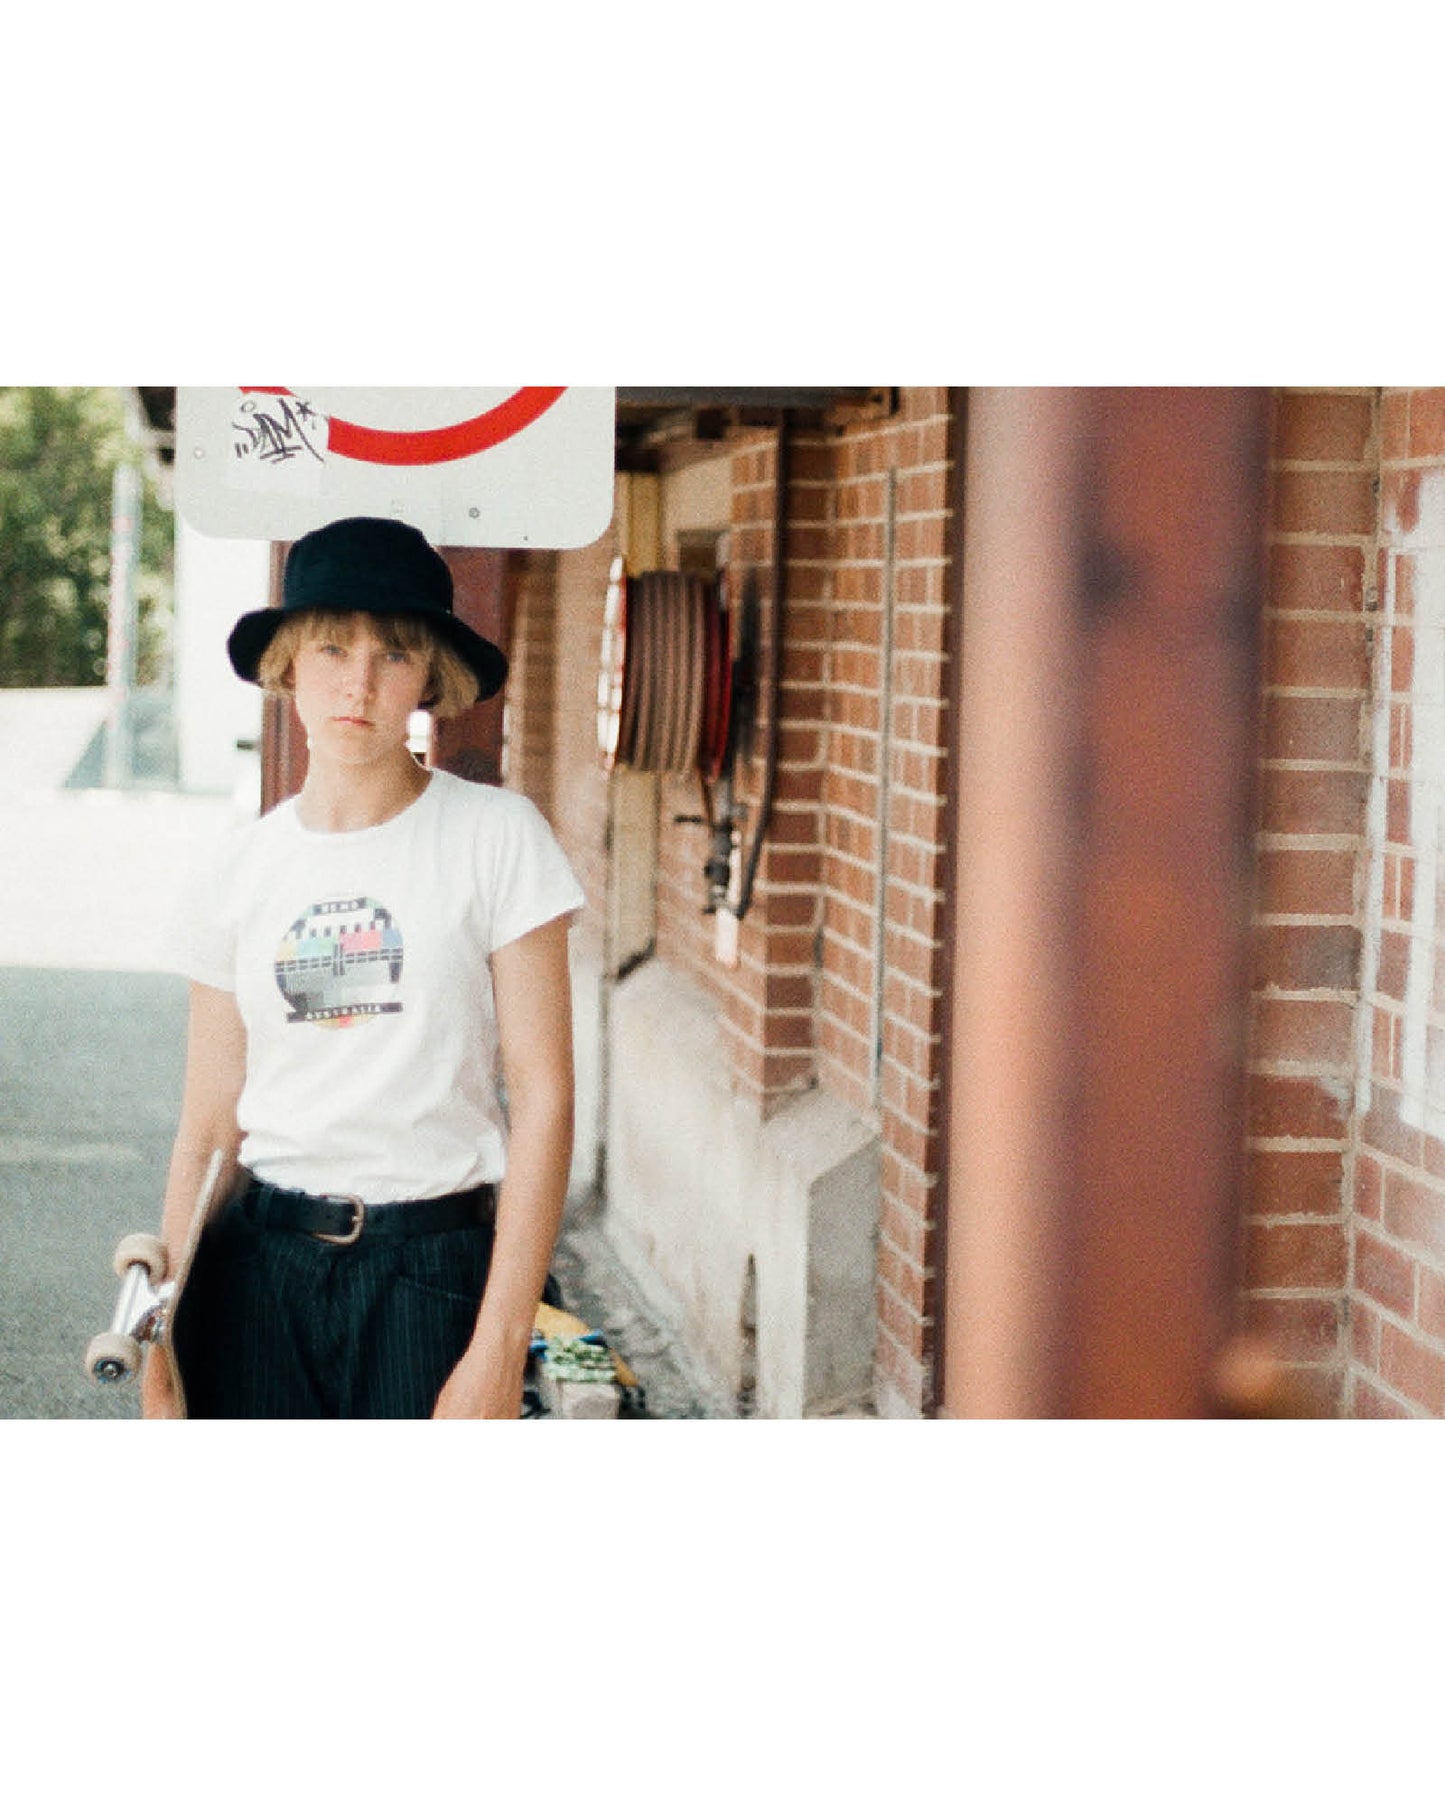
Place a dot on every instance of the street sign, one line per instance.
(470, 467)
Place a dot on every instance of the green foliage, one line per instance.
(58, 453)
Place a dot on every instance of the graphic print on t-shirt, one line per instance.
(340, 964)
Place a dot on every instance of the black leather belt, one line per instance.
(346, 1220)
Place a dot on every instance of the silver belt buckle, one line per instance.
(353, 1235)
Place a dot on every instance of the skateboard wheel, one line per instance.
(147, 1251)
(112, 1357)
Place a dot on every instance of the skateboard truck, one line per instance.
(140, 1310)
(148, 1294)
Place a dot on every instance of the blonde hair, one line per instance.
(451, 684)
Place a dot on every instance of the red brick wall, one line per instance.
(1345, 1257)
(852, 790)
(884, 788)
(1313, 790)
(1398, 1308)
(531, 724)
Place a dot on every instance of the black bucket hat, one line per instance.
(378, 567)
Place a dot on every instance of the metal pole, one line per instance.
(1113, 573)
(125, 505)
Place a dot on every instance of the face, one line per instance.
(355, 694)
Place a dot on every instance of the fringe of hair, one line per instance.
(451, 686)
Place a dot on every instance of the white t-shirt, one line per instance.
(359, 964)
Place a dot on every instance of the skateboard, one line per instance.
(146, 1306)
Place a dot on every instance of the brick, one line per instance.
(787, 1070)
(1393, 963)
(1430, 1304)
(1404, 566)
(1394, 424)
(1318, 881)
(1312, 802)
(1307, 958)
(1336, 502)
(1397, 811)
(1383, 1131)
(1400, 752)
(1402, 660)
(1322, 577)
(1322, 427)
(1283, 1256)
(1295, 1182)
(1427, 423)
(1326, 729)
(1384, 1274)
(1412, 1367)
(1309, 652)
(1413, 1212)
(1301, 1108)
(1400, 501)
(1318, 1031)
(1297, 1329)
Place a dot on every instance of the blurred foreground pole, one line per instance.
(121, 621)
(1112, 587)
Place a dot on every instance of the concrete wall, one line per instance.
(755, 1238)
(217, 580)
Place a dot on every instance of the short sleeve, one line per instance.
(532, 880)
(201, 935)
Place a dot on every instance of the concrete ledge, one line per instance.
(754, 1240)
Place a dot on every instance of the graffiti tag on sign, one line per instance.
(274, 429)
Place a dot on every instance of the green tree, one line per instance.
(58, 452)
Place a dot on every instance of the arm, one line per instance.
(215, 1070)
(534, 1022)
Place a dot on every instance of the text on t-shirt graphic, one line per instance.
(340, 963)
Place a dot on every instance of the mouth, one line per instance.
(352, 721)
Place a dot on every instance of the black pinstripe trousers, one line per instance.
(275, 1324)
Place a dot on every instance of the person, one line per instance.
(362, 960)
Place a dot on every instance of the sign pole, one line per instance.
(121, 627)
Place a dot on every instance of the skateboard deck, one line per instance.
(149, 1297)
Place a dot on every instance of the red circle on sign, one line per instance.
(434, 445)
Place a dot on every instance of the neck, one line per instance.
(340, 800)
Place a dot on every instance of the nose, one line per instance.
(361, 669)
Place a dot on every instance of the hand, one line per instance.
(482, 1389)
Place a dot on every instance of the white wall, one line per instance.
(217, 580)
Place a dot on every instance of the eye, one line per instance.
(399, 656)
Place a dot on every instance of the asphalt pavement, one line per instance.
(91, 1059)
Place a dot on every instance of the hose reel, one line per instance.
(673, 690)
